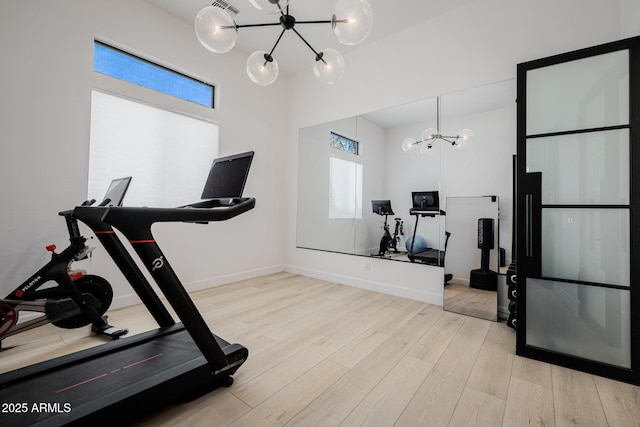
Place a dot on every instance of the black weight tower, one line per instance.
(484, 278)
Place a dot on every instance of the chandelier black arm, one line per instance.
(318, 55)
(258, 25)
(267, 57)
(452, 142)
(313, 22)
(273, 24)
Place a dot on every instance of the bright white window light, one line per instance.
(345, 189)
(167, 154)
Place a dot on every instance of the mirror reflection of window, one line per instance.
(345, 144)
(345, 189)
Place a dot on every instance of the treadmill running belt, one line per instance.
(106, 386)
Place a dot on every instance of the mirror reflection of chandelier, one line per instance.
(351, 23)
(431, 135)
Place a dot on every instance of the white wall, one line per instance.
(629, 18)
(476, 44)
(47, 77)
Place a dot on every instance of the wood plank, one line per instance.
(492, 369)
(621, 402)
(264, 361)
(337, 402)
(435, 401)
(291, 399)
(260, 387)
(476, 408)
(387, 400)
(435, 341)
(528, 404)
(532, 370)
(576, 399)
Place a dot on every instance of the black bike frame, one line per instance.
(24, 296)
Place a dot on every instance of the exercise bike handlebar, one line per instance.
(72, 222)
(72, 225)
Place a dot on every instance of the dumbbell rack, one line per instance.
(512, 295)
(512, 271)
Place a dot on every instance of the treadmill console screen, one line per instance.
(116, 191)
(426, 200)
(227, 176)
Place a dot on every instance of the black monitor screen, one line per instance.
(426, 200)
(116, 191)
(381, 207)
(227, 176)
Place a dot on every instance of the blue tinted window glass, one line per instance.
(345, 144)
(123, 66)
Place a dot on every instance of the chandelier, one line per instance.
(431, 135)
(351, 24)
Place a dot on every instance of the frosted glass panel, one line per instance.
(586, 168)
(167, 154)
(586, 93)
(590, 245)
(595, 321)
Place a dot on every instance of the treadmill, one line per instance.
(426, 204)
(123, 380)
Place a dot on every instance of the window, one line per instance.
(344, 144)
(167, 154)
(124, 66)
(345, 189)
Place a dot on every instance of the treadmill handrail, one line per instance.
(211, 210)
(426, 212)
(136, 222)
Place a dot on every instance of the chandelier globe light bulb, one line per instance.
(329, 66)
(215, 29)
(262, 68)
(352, 21)
(409, 144)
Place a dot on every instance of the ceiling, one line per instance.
(458, 104)
(389, 16)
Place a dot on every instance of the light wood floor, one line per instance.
(322, 354)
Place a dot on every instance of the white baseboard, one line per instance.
(384, 288)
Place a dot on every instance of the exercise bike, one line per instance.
(388, 242)
(76, 300)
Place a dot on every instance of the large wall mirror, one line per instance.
(346, 165)
(473, 224)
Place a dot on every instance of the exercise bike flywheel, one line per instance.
(94, 288)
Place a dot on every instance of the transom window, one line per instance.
(344, 144)
(124, 66)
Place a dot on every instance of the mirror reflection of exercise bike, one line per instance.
(77, 299)
(388, 242)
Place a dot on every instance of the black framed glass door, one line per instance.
(578, 228)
